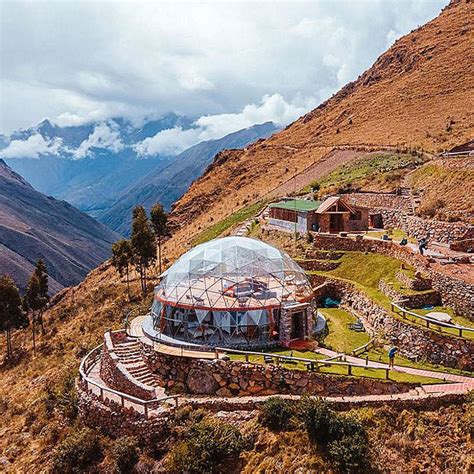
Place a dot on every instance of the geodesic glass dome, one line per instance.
(228, 291)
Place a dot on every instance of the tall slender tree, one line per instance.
(143, 244)
(33, 303)
(11, 313)
(122, 257)
(42, 275)
(159, 221)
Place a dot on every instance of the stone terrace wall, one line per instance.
(410, 301)
(227, 378)
(439, 231)
(377, 201)
(419, 283)
(454, 292)
(117, 377)
(116, 421)
(414, 342)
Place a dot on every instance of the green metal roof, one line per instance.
(297, 204)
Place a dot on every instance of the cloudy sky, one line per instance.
(229, 64)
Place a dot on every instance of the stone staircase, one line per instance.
(129, 355)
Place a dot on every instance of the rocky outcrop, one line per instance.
(410, 300)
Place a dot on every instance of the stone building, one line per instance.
(232, 292)
(332, 215)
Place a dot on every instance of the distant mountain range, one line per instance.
(167, 185)
(97, 168)
(34, 226)
(95, 163)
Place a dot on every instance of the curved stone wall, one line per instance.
(227, 378)
(414, 342)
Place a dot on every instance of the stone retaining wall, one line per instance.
(454, 292)
(322, 255)
(117, 377)
(439, 231)
(410, 301)
(227, 378)
(116, 421)
(318, 265)
(414, 342)
(419, 283)
(376, 201)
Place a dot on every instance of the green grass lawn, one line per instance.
(341, 338)
(380, 354)
(219, 227)
(335, 369)
(366, 270)
(395, 234)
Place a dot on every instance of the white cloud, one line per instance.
(168, 142)
(105, 136)
(272, 108)
(196, 58)
(32, 147)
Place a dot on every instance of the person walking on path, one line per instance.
(391, 356)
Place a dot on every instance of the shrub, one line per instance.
(64, 398)
(209, 443)
(316, 417)
(77, 453)
(124, 454)
(276, 413)
(349, 453)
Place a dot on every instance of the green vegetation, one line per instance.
(124, 454)
(276, 413)
(384, 169)
(340, 337)
(206, 445)
(394, 234)
(78, 452)
(219, 227)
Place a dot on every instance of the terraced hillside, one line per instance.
(418, 94)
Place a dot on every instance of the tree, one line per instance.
(122, 256)
(159, 221)
(42, 275)
(11, 314)
(33, 302)
(143, 244)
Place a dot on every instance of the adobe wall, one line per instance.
(454, 292)
(227, 378)
(414, 342)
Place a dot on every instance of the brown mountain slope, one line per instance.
(420, 93)
(34, 226)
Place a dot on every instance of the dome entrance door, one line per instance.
(297, 325)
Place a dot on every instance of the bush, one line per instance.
(344, 437)
(316, 417)
(77, 453)
(276, 413)
(124, 454)
(209, 444)
(63, 398)
(349, 453)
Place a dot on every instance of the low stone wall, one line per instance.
(439, 231)
(454, 292)
(413, 300)
(419, 283)
(414, 342)
(376, 201)
(116, 421)
(227, 378)
(466, 245)
(318, 265)
(117, 377)
(315, 254)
